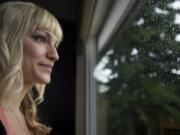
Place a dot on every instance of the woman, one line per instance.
(29, 37)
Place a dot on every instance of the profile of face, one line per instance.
(39, 55)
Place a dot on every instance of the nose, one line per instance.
(52, 53)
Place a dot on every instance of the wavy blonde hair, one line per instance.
(18, 20)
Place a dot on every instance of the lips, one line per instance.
(47, 67)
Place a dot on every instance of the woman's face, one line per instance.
(40, 53)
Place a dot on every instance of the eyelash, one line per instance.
(56, 46)
(40, 39)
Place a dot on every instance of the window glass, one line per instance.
(138, 77)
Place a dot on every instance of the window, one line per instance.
(137, 71)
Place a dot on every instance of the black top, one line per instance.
(2, 129)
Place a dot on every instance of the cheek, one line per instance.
(32, 55)
(33, 51)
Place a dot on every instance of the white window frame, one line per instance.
(100, 21)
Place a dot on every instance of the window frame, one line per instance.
(95, 34)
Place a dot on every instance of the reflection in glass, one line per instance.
(138, 78)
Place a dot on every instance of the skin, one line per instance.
(40, 53)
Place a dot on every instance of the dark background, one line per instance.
(58, 108)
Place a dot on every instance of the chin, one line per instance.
(44, 80)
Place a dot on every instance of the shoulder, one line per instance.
(2, 129)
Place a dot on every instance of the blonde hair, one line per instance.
(18, 20)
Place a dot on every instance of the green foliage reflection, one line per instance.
(145, 90)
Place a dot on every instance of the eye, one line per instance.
(56, 46)
(39, 39)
